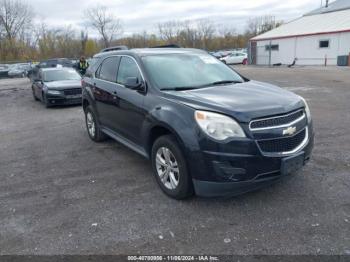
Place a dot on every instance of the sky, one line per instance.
(140, 15)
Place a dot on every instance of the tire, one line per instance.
(46, 103)
(93, 126)
(34, 96)
(169, 161)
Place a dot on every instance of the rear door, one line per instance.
(104, 90)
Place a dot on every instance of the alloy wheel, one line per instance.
(167, 168)
(90, 124)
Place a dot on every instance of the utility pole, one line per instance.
(327, 1)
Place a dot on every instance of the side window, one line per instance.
(108, 69)
(127, 68)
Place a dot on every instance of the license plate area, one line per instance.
(290, 165)
(73, 96)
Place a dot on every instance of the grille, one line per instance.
(276, 121)
(75, 91)
(284, 144)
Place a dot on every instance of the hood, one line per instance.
(244, 101)
(64, 84)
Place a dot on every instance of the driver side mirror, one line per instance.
(134, 83)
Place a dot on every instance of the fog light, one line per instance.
(227, 171)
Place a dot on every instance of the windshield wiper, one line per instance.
(222, 82)
(183, 88)
(180, 88)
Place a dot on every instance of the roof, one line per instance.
(57, 69)
(145, 51)
(332, 7)
(324, 23)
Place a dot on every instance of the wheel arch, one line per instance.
(159, 130)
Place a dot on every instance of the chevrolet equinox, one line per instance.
(206, 129)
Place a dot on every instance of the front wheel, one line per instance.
(170, 169)
(45, 101)
(34, 96)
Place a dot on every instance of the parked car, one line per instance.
(205, 128)
(50, 63)
(19, 70)
(235, 58)
(57, 86)
(4, 69)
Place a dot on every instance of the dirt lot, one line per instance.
(60, 193)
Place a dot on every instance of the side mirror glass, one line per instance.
(133, 83)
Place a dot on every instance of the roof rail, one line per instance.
(114, 48)
(167, 46)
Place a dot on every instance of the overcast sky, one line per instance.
(140, 15)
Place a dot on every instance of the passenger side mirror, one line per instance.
(133, 83)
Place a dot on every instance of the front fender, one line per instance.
(178, 121)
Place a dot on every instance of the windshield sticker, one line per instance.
(209, 59)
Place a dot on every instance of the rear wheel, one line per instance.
(170, 169)
(92, 125)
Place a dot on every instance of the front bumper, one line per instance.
(239, 167)
(64, 100)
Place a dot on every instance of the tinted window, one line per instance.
(127, 68)
(324, 43)
(108, 70)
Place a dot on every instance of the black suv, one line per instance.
(207, 129)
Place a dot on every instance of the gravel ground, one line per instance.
(60, 193)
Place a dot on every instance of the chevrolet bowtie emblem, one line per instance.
(290, 130)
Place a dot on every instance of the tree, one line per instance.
(15, 16)
(108, 26)
(15, 20)
(261, 24)
(206, 30)
(84, 37)
(90, 48)
(169, 30)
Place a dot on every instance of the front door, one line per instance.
(129, 113)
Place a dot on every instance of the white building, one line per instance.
(316, 38)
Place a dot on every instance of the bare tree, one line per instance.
(206, 30)
(262, 24)
(108, 26)
(169, 30)
(15, 16)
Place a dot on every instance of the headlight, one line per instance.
(307, 109)
(218, 126)
(53, 92)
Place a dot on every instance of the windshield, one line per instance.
(58, 75)
(187, 71)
